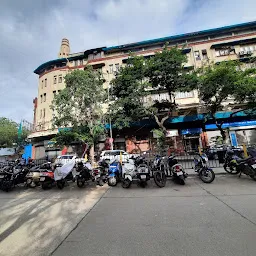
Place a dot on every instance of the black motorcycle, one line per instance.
(84, 174)
(205, 173)
(12, 177)
(158, 169)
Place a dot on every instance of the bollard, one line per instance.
(245, 151)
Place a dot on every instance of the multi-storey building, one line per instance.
(235, 42)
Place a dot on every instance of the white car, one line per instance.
(116, 154)
(61, 160)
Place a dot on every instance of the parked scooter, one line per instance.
(176, 170)
(64, 173)
(230, 161)
(205, 173)
(136, 170)
(33, 176)
(114, 172)
(158, 169)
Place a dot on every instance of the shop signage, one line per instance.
(172, 133)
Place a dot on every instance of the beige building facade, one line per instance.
(235, 42)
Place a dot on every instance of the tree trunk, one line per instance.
(92, 154)
(161, 122)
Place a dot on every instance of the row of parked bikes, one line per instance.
(135, 170)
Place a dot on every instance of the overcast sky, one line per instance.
(31, 32)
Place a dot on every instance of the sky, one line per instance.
(31, 33)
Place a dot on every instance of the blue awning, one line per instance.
(233, 124)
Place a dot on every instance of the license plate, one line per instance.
(1, 176)
(179, 173)
(143, 177)
(42, 178)
(253, 166)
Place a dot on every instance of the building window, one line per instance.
(55, 79)
(44, 97)
(59, 91)
(222, 52)
(197, 55)
(183, 95)
(81, 62)
(204, 54)
(45, 82)
(111, 68)
(41, 96)
(60, 78)
(117, 67)
(42, 84)
(76, 63)
(44, 113)
(41, 113)
(54, 93)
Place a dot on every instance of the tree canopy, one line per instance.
(134, 82)
(79, 105)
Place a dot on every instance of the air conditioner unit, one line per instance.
(241, 53)
(249, 52)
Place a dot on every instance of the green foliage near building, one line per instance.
(10, 134)
(163, 72)
(79, 106)
(227, 80)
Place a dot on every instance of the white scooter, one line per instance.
(64, 173)
(135, 170)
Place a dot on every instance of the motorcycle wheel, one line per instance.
(231, 170)
(207, 176)
(111, 183)
(143, 184)
(45, 186)
(126, 183)
(60, 184)
(80, 183)
(160, 179)
(181, 180)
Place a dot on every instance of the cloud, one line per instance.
(31, 32)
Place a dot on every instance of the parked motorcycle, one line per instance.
(240, 165)
(12, 177)
(114, 173)
(64, 174)
(230, 161)
(83, 174)
(205, 173)
(33, 176)
(47, 179)
(176, 170)
(158, 169)
(136, 170)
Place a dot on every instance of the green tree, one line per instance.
(164, 72)
(8, 132)
(217, 83)
(79, 105)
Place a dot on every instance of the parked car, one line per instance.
(116, 154)
(61, 160)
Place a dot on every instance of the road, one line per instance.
(192, 220)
